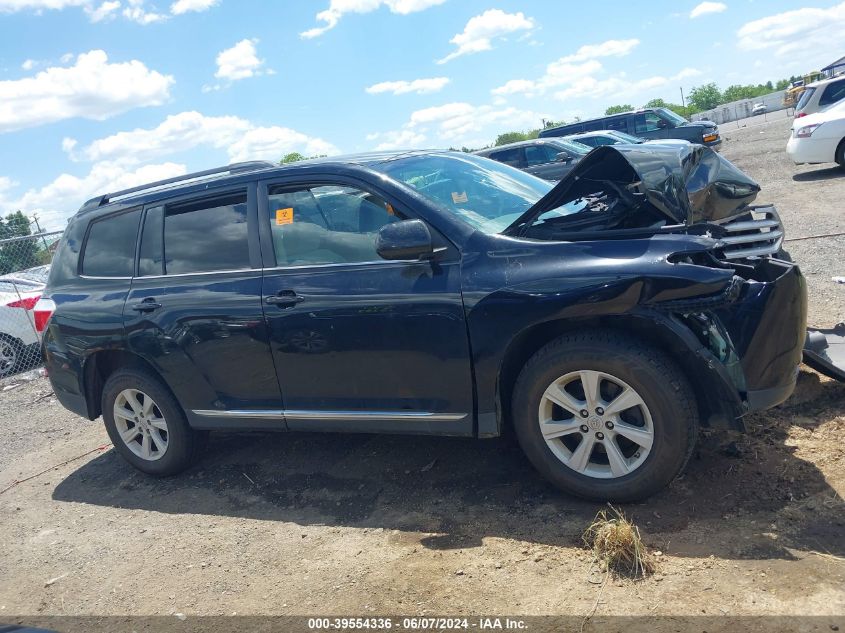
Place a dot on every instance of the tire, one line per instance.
(840, 154)
(11, 355)
(169, 450)
(663, 406)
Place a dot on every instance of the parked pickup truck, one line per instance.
(602, 319)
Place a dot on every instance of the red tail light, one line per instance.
(798, 115)
(26, 304)
(42, 312)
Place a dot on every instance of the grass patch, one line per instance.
(617, 546)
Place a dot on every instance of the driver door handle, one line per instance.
(284, 299)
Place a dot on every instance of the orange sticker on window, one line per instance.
(457, 197)
(284, 216)
(389, 207)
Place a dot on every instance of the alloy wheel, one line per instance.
(596, 424)
(141, 424)
(8, 357)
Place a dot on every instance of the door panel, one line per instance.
(363, 345)
(204, 330)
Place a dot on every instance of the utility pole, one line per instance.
(683, 103)
(38, 226)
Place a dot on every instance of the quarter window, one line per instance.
(833, 93)
(110, 247)
(206, 236)
(331, 224)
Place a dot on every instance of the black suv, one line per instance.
(602, 318)
(649, 123)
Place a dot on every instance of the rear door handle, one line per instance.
(146, 305)
(284, 299)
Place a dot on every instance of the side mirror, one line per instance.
(563, 157)
(408, 239)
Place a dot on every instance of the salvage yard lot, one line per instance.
(358, 524)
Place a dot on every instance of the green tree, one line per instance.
(705, 97)
(736, 92)
(293, 157)
(616, 109)
(19, 254)
(782, 84)
(511, 137)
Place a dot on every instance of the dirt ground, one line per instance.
(313, 524)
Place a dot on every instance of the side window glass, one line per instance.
(539, 155)
(619, 123)
(512, 157)
(151, 256)
(110, 247)
(833, 93)
(330, 224)
(648, 122)
(206, 236)
(602, 140)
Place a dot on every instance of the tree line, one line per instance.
(20, 254)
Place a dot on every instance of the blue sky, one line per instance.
(101, 94)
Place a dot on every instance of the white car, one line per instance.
(819, 95)
(17, 327)
(819, 137)
(759, 108)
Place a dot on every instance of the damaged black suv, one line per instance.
(601, 319)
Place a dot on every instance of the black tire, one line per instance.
(840, 154)
(184, 444)
(13, 348)
(656, 379)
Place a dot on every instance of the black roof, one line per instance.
(839, 62)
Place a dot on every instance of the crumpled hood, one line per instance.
(688, 183)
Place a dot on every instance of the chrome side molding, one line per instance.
(275, 414)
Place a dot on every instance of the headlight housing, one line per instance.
(807, 130)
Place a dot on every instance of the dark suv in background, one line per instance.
(549, 159)
(649, 123)
(602, 318)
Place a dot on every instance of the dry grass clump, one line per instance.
(617, 546)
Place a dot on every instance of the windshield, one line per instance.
(485, 194)
(677, 119)
(625, 137)
(573, 146)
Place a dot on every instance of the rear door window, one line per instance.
(206, 236)
(110, 246)
(833, 92)
(805, 98)
(617, 123)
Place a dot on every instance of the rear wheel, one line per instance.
(11, 350)
(605, 417)
(146, 424)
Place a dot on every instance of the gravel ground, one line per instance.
(369, 525)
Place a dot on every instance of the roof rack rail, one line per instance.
(234, 168)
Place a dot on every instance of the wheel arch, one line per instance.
(717, 400)
(102, 364)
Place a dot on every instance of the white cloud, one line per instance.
(240, 138)
(803, 34)
(707, 7)
(105, 11)
(97, 10)
(239, 62)
(457, 124)
(481, 30)
(184, 6)
(337, 8)
(91, 88)
(58, 200)
(398, 139)
(420, 86)
(609, 48)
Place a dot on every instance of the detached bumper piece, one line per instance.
(824, 351)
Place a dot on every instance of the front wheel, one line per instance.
(146, 424)
(605, 417)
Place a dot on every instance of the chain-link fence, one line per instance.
(24, 267)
